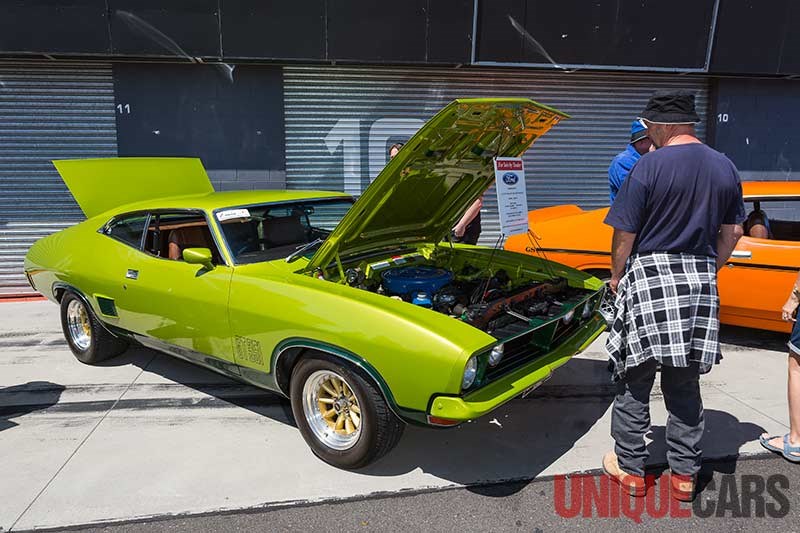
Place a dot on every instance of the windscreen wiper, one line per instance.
(300, 251)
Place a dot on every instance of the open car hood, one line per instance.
(421, 193)
(102, 184)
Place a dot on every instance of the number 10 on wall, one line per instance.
(347, 134)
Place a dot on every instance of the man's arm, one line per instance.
(470, 214)
(728, 236)
(621, 246)
(793, 302)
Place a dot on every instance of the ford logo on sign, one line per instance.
(509, 178)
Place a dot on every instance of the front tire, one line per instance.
(89, 341)
(342, 416)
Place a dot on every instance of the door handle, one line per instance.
(132, 274)
(742, 254)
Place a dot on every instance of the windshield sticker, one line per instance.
(228, 214)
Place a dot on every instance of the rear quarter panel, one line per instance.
(82, 258)
(567, 235)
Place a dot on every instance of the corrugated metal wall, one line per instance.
(47, 111)
(339, 122)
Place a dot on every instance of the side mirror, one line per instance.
(198, 256)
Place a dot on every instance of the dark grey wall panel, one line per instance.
(755, 126)
(54, 26)
(790, 51)
(749, 36)
(289, 30)
(670, 35)
(450, 31)
(376, 31)
(496, 39)
(170, 28)
(230, 119)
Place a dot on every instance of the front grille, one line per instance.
(526, 344)
(517, 352)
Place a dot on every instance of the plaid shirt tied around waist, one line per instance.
(667, 309)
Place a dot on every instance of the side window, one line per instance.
(127, 229)
(777, 219)
(170, 233)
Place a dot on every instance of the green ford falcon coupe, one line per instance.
(363, 313)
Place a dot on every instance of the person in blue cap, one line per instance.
(623, 162)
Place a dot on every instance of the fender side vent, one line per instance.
(107, 306)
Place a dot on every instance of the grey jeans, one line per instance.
(630, 417)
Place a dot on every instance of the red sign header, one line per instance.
(509, 165)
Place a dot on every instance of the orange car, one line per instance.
(753, 285)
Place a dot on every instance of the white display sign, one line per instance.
(512, 197)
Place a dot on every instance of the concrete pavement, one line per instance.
(526, 507)
(147, 435)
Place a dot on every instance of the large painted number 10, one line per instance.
(347, 134)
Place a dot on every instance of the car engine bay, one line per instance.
(493, 300)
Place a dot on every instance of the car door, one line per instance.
(756, 281)
(174, 305)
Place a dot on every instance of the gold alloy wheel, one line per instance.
(332, 410)
(80, 331)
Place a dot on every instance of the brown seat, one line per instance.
(189, 237)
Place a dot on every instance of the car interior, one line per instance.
(275, 236)
(169, 234)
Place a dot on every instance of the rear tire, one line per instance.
(89, 341)
(325, 394)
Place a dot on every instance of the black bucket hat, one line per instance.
(671, 107)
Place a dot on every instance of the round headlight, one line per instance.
(587, 310)
(470, 371)
(496, 355)
(568, 317)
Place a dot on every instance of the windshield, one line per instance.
(267, 232)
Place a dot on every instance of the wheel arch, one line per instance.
(289, 352)
(603, 271)
(60, 288)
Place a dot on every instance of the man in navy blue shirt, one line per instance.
(623, 162)
(676, 221)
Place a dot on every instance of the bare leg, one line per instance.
(794, 403)
(759, 231)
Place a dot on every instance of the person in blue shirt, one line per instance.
(623, 162)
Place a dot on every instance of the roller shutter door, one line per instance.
(339, 122)
(47, 111)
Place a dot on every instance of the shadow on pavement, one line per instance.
(727, 432)
(19, 400)
(221, 390)
(737, 337)
(516, 442)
